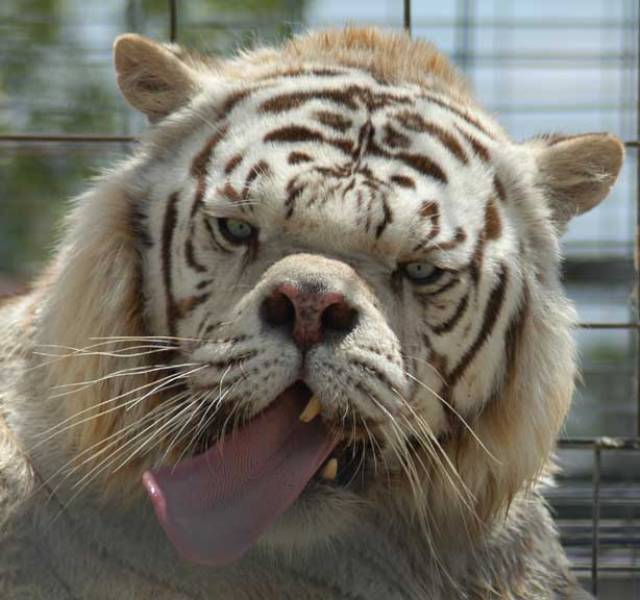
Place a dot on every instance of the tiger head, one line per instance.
(327, 282)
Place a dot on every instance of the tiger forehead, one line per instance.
(309, 143)
(353, 115)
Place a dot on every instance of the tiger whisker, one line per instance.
(132, 371)
(422, 360)
(427, 438)
(193, 403)
(458, 415)
(95, 471)
(127, 405)
(75, 352)
(115, 439)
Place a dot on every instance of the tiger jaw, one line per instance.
(357, 447)
(216, 505)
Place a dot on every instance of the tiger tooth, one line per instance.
(311, 410)
(330, 469)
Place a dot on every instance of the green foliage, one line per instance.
(56, 77)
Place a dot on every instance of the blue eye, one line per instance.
(237, 231)
(421, 272)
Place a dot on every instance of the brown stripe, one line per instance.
(478, 148)
(289, 101)
(386, 219)
(367, 224)
(204, 283)
(365, 138)
(198, 199)
(422, 164)
(377, 100)
(232, 163)
(233, 361)
(475, 266)
(299, 157)
(260, 168)
(415, 122)
(347, 97)
(338, 171)
(298, 134)
(459, 238)
(210, 328)
(375, 372)
(497, 183)
(491, 313)
(214, 239)
(230, 193)
(292, 73)
(394, 139)
(492, 221)
(199, 166)
(450, 323)
(464, 114)
(403, 181)
(429, 210)
(293, 192)
(233, 99)
(138, 224)
(514, 337)
(189, 304)
(333, 120)
(168, 228)
(190, 254)
(444, 288)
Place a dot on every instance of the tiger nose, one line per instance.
(308, 313)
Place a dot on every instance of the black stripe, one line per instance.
(450, 323)
(460, 112)
(214, 239)
(298, 134)
(190, 253)
(387, 218)
(168, 228)
(418, 162)
(491, 313)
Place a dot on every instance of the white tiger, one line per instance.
(308, 342)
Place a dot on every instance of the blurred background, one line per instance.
(569, 66)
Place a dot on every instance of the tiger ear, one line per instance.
(576, 173)
(151, 77)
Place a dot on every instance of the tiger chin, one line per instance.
(308, 341)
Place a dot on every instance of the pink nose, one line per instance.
(308, 312)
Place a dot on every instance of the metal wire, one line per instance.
(595, 542)
(173, 20)
(406, 18)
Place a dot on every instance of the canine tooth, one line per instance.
(330, 469)
(311, 410)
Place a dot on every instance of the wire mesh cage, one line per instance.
(546, 66)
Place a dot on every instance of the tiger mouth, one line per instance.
(351, 461)
(214, 506)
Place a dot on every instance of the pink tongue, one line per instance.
(214, 506)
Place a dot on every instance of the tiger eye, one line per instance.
(421, 273)
(237, 231)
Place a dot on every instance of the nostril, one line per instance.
(339, 317)
(278, 309)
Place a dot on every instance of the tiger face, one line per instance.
(351, 274)
(344, 254)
